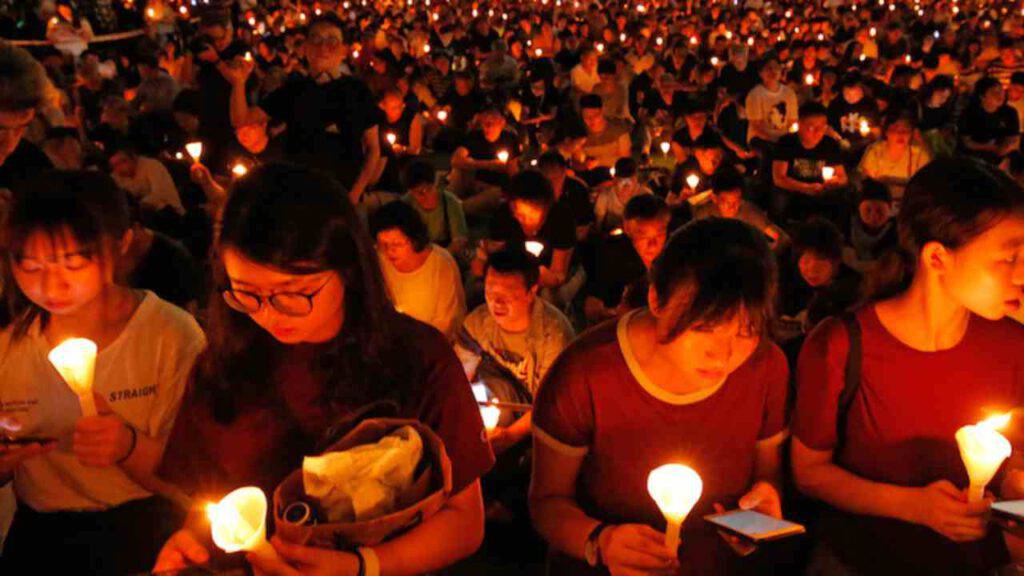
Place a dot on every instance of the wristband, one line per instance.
(131, 447)
(371, 564)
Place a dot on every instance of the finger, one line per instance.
(298, 554)
(640, 560)
(270, 566)
(718, 508)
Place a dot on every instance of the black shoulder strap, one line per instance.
(851, 384)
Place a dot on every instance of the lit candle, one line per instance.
(622, 37)
(426, 48)
(503, 156)
(865, 128)
(183, 9)
(600, 47)
(828, 172)
(675, 488)
(150, 13)
(239, 522)
(665, 147)
(490, 415)
(714, 60)
(355, 54)
(534, 247)
(794, 127)
(611, 171)
(195, 150)
(252, 21)
(442, 115)
(728, 34)
(616, 232)
(538, 52)
(907, 58)
(750, 41)
(239, 170)
(692, 181)
(391, 138)
(248, 56)
(983, 450)
(179, 156)
(873, 32)
(694, 40)
(809, 79)
(659, 40)
(75, 360)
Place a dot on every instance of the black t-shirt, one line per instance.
(616, 268)
(480, 149)
(26, 161)
(732, 126)
(805, 164)
(463, 108)
(987, 128)
(325, 122)
(743, 81)
(845, 118)
(215, 128)
(557, 233)
(167, 270)
(576, 197)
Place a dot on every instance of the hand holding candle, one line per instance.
(239, 522)
(983, 450)
(534, 247)
(75, 360)
(676, 489)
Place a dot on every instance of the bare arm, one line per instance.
(558, 272)
(371, 152)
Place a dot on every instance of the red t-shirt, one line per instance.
(262, 445)
(901, 424)
(596, 401)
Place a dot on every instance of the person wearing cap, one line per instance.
(808, 175)
(331, 119)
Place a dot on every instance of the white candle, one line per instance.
(239, 170)
(195, 150)
(503, 156)
(676, 489)
(828, 172)
(692, 181)
(391, 138)
(534, 247)
(490, 414)
(665, 147)
(983, 450)
(75, 360)
(239, 522)
(865, 128)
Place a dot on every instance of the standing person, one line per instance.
(711, 389)
(24, 90)
(422, 278)
(331, 118)
(891, 473)
(302, 299)
(90, 492)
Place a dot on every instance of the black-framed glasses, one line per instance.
(295, 304)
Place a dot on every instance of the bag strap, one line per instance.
(852, 378)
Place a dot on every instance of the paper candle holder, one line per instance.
(75, 360)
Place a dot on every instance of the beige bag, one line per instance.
(431, 488)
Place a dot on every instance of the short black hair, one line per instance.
(625, 167)
(872, 189)
(532, 187)
(552, 159)
(726, 179)
(418, 173)
(820, 236)
(515, 259)
(645, 207)
(591, 101)
(812, 108)
(403, 217)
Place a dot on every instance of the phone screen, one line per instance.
(755, 525)
(1010, 508)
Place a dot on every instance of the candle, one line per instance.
(184, 10)
(728, 35)
(809, 79)
(503, 156)
(659, 40)
(534, 247)
(828, 172)
(692, 181)
(694, 40)
(865, 128)
(538, 52)
(490, 415)
(179, 156)
(675, 488)
(714, 60)
(239, 170)
(665, 147)
(239, 522)
(611, 171)
(391, 138)
(600, 47)
(426, 48)
(355, 54)
(252, 21)
(873, 32)
(863, 57)
(150, 13)
(750, 41)
(794, 127)
(75, 360)
(442, 115)
(983, 450)
(248, 56)
(907, 58)
(622, 37)
(195, 150)
(616, 232)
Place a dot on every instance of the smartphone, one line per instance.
(1011, 509)
(754, 526)
(25, 440)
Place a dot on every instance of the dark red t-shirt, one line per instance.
(263, 445)
(901, 424)
(596, 401)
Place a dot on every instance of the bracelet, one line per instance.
(131, 448)
(371, 563)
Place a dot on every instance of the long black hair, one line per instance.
(301, 222)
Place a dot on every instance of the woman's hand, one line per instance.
(12, 455)
(180, 551)
(101, 440)
(298, 560)
(763, 498)
(944, 508)
(636, 549)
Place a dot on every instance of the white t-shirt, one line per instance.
(779, 109)
(152, 185)
(431, 294)
(142, 376)
(893, 172)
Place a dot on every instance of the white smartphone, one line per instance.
(754, 526)
(1012, 509)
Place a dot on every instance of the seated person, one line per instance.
(145, 178)
(532, 219)
(693, 176)
(873, 228)
(63, 148)
(607, 140)
(695, 126)
(481, 165)
(807, 171)
(439, 209)
(569, 190)
(161, 264)
(727, 201)
(401, 137)
(617, 279)
(422, 278)
(817, 283)
(612, 196)
(510, 342)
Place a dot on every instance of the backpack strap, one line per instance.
(851, 383)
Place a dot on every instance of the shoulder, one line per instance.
(477, 319)
(597, 345)
(443, 257)
(172, 318)
(554, 319)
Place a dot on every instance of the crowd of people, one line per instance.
(779, 242)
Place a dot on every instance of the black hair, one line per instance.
(819, 236)
(872, 189)
(532, 187)
(401, 216)
(645, 207)
(625, 167)
(719, 266)
(418, 173)
(188, 101)
(810, 109)
(591, 101)
(552, 160)
(727, 179)
(515, 260)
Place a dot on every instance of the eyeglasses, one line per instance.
(294, 304)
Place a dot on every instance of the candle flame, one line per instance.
(195, 150)
(675, 488)
(490, 415)
(997, 422)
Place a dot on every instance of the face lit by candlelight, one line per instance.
(817, 270)
(529, 215)
(986, 275)
(320, 325)
(509, 300)
(59, 274)
(812, 130)
(648, 238)
(398, 249)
